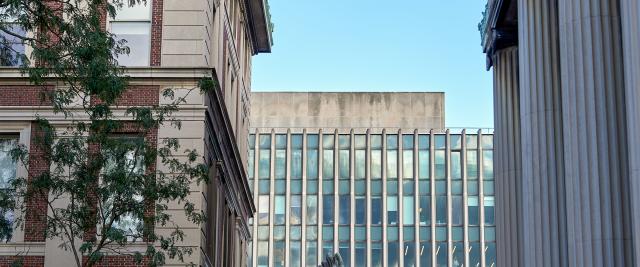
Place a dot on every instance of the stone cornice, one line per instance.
(134, 72)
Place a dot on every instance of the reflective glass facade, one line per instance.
(379, 198)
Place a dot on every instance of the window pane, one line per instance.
(392, 164)
(296, 141)
(263, 232)
(425, 210)
(376, 210)
(408, 233)
(457, 208)
(327, 187)
(392, 233)
(425, 233)
(457, 252)
(281, 164)
(361, 210)
(441, 141)
(474, 211)
(296, 209)
(376, 164)
(456, 141)
(344, 141)
(489, 210)
(361, 141)
(327, 164)
(360, 233)
(312, 164)
(279, 210)
(440, 164)
(392, 210)
(295, 254)
(263, 209)
(361, 187)
(296, 164)
(327, 209)
(138, 36)
(312, 187)
(344, 233)
(376, 233)
(312, 141)
(423, 164)
(312, 232)
(376, 141)
(441, 209)
(312, 254)
(472, 164)
(407, 164)
(487, 142)
(327, 249)
(425, 254)
(280, 186)
(278, 253)
(344, 187)
(409, 254)
(343, 168)
(360, 162)
(408, 187)
(392, 187)
(8, 166)
(376, 254)
(393, 254)
(456, 167)
(281, 141)
(345, 211)
(345, 253)
(312, 209)
(361, 254)
(407, 141)
(376, 188)
(474, 254)
(487, 165)
(408, 210)
(327, 233)
(472, 141)
(296, 186)
(328, 141)
(263, 254)
(13, 55)
(441, 254)
(392, 141)
(490, 254)
(295, 232)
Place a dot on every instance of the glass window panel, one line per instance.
(280, 186)
(328, 141)
(296, 164)
(441, 187)
(441, 233)
(138, 37)
(344, 141)
(376, 188)
(392, 187)
(311, 254)
(263, 254)
(361, 254)
(441, 141)
(457, 233)
(345, 253)
(423, 141)
(312, 164)
(327, 233)
(360, 233)
(278, 253)
(392, 254)
(312, 141)
(456, 141)
(456, 188)
(487, 142)
(457, 254)
(425, 210)
(474, 211)
(474, 233)
(376, 254)
(296, 209)
(361, 187)
(8, 166)
(472, 141)
(312, 209)
(440, 164)
(392, 233)
(441, 209)
(489, 234)
(424, 187)
(263, 209)
(360, 162)
(472, 164)
(344, 233)
(376, 210)
(361, 141)
(425, 233)
(252, 141)
(392, 141)
(13, 55)
(265, 141)
(457, 208)
(327, 209)
(408, 233)
(392, 210)
(376, 164)
(296, 186)
(327, 249)
(279, 232)
(264, 164)
(376, 141)
(441, 254)
(295, 232)
(487, 188)
(489, 208)
(327, 187)
(140, 11)
(327, 164)
(312, 186)
(456, 167)
(345, 209)
(392, 164)
(423, 164)
(250, 163)
(487, 165)
(407, 141)
(344, 187)
(425, 254)
(376, 233)
(279, 210)
(312, 232)
(296, 141)
(361, 210)
(343, 167)
(490, 254)
(472, 187)
(263, 232)
(408, 210)
(474, 254)
(295, 256)
(409, 254)
(281, 141)
(408, 187)
(407, 164)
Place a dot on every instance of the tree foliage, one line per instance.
(103, 186)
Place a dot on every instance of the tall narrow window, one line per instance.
(312, 253)
(279, 210)
(343, 157)
(312, 209)
(263, 253)
(472, 156)
(392, 156)
(295, 216)
(280, 164)
(360, 157)
(407, 156)
(424, 170)
(376, 156)
(12, 49)
(440, 157)
(8, 169)
(327, 156)
(133, 24)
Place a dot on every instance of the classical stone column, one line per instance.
(543, 212)
(507, 164)
(631, 52)
(595, 135)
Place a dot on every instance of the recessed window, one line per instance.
(133, 24)
(8, 170)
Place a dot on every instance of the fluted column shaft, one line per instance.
(594, 124)
(543, 213)
(507, 164)
(630, 16)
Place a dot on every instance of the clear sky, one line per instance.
(375, 45)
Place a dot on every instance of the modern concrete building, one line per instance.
(566, 93)
(174, 44)
(372, 176)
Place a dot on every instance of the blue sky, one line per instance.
(375, 45)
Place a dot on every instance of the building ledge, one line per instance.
(134, 72)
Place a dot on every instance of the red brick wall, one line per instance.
(27, 261)
(156, 32)
(120, 261)
(24, 95)
(35, 219)
(138, 95)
